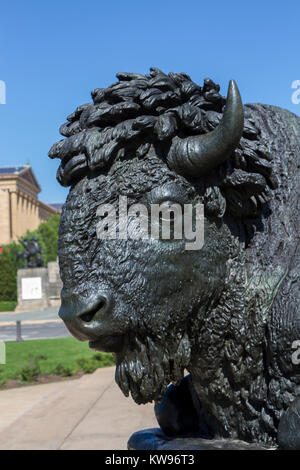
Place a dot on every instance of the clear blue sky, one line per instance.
(53, 53)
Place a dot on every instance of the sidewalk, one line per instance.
(88, 413)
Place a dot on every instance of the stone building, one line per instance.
(20, 208)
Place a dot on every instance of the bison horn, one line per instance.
(198, 155)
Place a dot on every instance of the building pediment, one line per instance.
(20, 208)
(27, 174)
(20, 175)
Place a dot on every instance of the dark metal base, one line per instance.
(155, 439)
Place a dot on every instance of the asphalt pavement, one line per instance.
(39, 324)
(37, 315)
(54, 329)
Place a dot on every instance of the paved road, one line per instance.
(54, 329)
(38, 315)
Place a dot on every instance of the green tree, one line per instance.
(48, 233)
(14, 248)
(8, 276)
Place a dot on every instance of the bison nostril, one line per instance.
(88, 316)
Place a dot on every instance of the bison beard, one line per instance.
(147, 368)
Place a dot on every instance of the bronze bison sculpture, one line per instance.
(227, 313)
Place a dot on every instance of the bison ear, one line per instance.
(246, 193)
(214, 202)
(199, 155)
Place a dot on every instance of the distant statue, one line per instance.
(31, 256)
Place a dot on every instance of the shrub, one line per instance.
(62, 370)
(31, 371)
(87, 365)
(41, 357)
(2, 378)
(7, 305)
(14, 249)
(105, 359)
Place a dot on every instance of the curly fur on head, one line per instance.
(139, 110)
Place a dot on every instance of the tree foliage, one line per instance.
(8, 276)
(47, 232)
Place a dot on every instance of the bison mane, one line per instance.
(138, 111)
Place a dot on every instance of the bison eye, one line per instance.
(167, 220)
(170, 193)
(170, 207)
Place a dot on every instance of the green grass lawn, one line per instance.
(7, 305)
(62, 356)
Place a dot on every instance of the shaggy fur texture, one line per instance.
(228, 313)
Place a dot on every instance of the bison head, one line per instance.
(155, 138)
